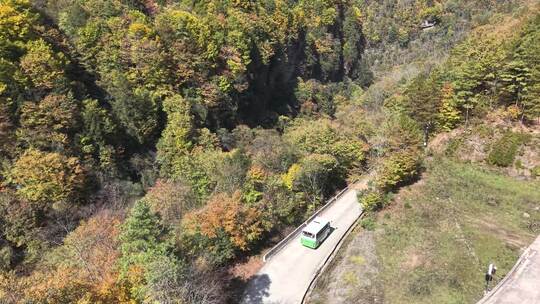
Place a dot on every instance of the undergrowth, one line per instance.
(504, 150)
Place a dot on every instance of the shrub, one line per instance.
(535, 172)
(423, 282)
(6, 257)
(368, 224)
(503, 152)
(399, 168)
(453, 146)
(372, 200)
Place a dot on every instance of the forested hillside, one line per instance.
(147, 146)
(431, 230)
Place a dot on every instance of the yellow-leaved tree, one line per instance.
(46, 178)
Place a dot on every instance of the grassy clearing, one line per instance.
(461, 217)
(433, 243)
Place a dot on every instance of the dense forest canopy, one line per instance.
(145, 146)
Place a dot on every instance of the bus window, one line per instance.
(323, 230)
(307, 234)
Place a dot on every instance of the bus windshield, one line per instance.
(307, 234)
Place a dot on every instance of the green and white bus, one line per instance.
(315, 233)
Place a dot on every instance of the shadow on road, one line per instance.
(332, 229)
(257, 289)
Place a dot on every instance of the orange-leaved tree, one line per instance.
(81, 270)
(223, 227)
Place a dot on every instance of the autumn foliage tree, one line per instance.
(43, 67)
(423, 101)
(45, 178)
(48, 123)
(81, 270)
(223, 227)
(449, 114)
(400, 167)
(171, 200)
(321, 137)
(21, 222)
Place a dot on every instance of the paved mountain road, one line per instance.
(286, 276)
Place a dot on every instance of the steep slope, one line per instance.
(435, 241)
(149, 146)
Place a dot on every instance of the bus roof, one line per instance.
(316, 225)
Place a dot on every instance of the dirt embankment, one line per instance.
(352, 276)
(475, 143)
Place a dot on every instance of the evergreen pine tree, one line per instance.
(175, 143)
(141, 245)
